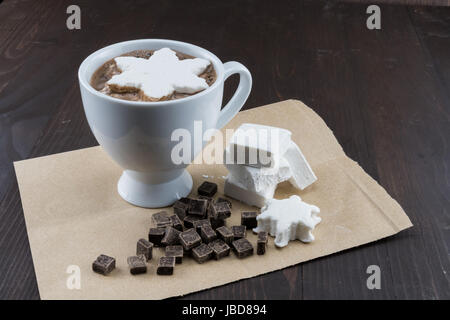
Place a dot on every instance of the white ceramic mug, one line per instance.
(137, 135)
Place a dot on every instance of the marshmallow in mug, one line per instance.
(160, 75)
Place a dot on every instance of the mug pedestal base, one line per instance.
(138, 191)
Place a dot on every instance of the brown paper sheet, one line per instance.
(73, 213)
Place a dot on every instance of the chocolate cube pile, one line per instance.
(196, 228)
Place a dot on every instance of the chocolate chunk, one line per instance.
(185, 200)
(243, 248)
(198, 207)
(261, 243)
(181, 207)
(144, 247)
(221, 210)
(216, 223)
(176, 222)
(175, 251)
(207, 188)
(137, 264)
(224, 200)
(171, 237)
(225, 234)
(166, 266)
(239, 232)
(220, 249)
(198, 224)
(189, 221)
(161, 219)
(248, 219)
(214, 220)
(208, 199)
(190, 239)
(202, 253)
(207, 233)
(104, 264)
(155, 235)
(180, 212)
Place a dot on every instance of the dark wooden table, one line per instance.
(385, 94)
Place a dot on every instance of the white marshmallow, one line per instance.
(288, 219)
(260, 179)
(257, 145)
(236, 190)
(302, 174)
(161, 74)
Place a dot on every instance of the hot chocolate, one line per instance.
(102, 80)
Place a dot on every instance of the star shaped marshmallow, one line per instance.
(288, 219)
(160, 75)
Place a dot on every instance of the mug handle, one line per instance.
(240, 96)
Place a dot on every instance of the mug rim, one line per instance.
(217, 63)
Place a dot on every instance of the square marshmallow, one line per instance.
(236, 190)
(302, 174)
(257, 145)
(259, 179)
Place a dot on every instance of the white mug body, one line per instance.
(138, 135)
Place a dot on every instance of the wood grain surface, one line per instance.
(385, 94)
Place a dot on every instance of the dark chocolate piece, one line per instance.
(207, 233)
(209, 199)
(166, 266)
(181, 207)
(144, 247)
(175, 251)
(161, 219)
(137, 264)
(261, 243)
(239, 232)
(202, 253)
(180, 212)
(189, 221)
(176, 222)
(221, 210)
(190, 239)
(225, 234)
(248, 219)
(185, 200)
(171, 237)
(243, 248)
(224, 200)
(220, 249)
(216, 223)
(104, 264)
(155, 235)
(207, 188)
(198, 207)
(198, 224)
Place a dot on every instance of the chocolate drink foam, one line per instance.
(110, 69)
